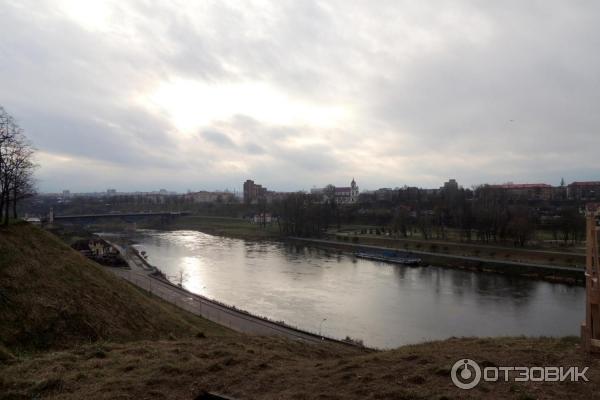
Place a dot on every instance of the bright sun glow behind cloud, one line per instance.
(91, 15)
(141, 94)
(191, 105)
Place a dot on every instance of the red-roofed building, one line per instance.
(584, 190)
(592, 207)
(347, 195)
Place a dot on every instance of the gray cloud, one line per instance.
(254, 148)
(218, 138)
(481, 92)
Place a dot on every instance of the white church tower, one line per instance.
(353, 191)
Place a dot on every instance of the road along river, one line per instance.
(384, 305)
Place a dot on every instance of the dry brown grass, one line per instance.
(272, 368)
(52, 297)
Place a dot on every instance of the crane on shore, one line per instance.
(590, 328)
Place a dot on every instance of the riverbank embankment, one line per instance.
(553, 273)
(555, 256)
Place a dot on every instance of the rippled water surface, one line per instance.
(385, 305)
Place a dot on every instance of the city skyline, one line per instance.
(179, 95)
(239, 190)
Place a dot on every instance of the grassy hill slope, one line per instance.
(52, 297)
(249, 367)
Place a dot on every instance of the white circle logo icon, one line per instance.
(465, 374)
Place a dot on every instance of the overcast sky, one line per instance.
(142, 95)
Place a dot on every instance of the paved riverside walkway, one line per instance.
(237, 320)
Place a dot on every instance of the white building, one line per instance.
(210, 197)
(265, 218)
(347, 195)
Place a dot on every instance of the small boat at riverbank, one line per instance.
(391, 257)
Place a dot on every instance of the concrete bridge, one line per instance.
(130, 216)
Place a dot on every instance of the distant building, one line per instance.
(317, 191)
(384, 194)
(271, 196)
(347, 195)
(526, 191)
(341, 195)
(66, 194)
(559, 192)
(94, 247)
(100, 251)
(253, 192)
(210, 197)
(584, 190)
(449, 191)
(408, 193)
(429, 192)
(262, 218)
(450, 186)
(111, 192)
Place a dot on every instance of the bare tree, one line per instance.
(16, 166)
(521, 226)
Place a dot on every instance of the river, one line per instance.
(382, 304)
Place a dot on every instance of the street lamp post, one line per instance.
(321, 325)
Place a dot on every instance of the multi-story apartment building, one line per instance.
(526, 191)
(584, 190)
(253, 192)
